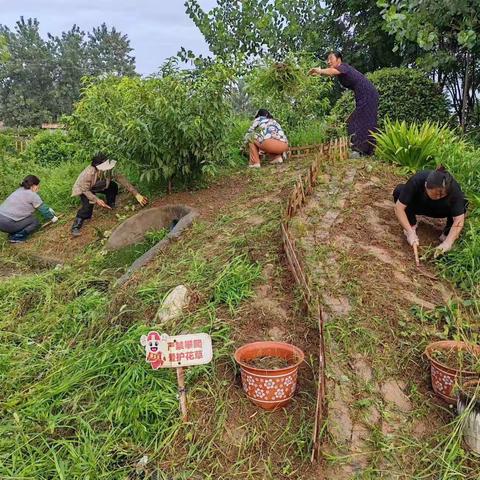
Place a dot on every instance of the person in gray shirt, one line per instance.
(17, 211)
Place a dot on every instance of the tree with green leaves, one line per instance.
(70, 66)
(249, 29)
(448, 33)
(40, 80)
(108, 52)
(26, 73)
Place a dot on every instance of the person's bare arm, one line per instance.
(330, 72)
(457, 227)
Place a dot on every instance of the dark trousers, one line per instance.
(86, 210)
(413, 210)
(27, 225)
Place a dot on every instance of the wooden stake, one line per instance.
(415, 252)
(46, 224)
(182, 393)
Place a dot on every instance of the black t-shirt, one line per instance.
(413, 194)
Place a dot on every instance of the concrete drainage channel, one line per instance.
(177, 218)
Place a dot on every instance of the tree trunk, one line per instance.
(466, 81)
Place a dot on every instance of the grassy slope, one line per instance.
(78, 400)
(365, 263)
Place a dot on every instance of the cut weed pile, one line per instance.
(78, 399)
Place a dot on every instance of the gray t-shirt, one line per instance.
(20, 204)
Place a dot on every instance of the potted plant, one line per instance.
(468, 406)
(269, 372)
(451, 362)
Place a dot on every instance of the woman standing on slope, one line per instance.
(363, 120)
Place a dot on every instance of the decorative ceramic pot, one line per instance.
(445, 377)
(269, 388)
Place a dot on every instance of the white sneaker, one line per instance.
(253, 165)
(354, 155)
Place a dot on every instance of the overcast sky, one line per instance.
(156, 28)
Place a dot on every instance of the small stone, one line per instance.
(141, 464)
(392, 393)
(362, 369)
(338, 305)
(276, 334)
(372, 416)
(268, 270)
(255, 220)
(173, 304)
(419, 429)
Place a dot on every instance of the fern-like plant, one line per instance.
(412, 146)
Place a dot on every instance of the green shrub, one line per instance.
(289, 93)
(7, 145)
(56, 181)
(54, 148)
(172, 127)
(405, 94)
(412, 146)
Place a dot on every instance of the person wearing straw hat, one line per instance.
(96, 179)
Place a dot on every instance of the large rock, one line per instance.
(173, 304)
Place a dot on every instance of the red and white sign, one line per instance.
(163, 351)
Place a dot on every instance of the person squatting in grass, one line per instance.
(98, 178)
(363, 121)
(434, 194)
(266, 135)
(17, 211)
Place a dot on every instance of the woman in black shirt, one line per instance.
(433, 194)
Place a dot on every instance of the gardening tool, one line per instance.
(415, 252)
(50, 222)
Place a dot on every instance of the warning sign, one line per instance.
(163, 351)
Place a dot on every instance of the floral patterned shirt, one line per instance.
(264, 128)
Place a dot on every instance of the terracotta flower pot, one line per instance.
(269, 389)
(444, 377)
(471, 423)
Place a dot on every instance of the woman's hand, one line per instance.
(444, 247)
(315, 72)
(412, 238)
(102, 204)
(141, 199)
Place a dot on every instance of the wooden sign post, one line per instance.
(180, 351)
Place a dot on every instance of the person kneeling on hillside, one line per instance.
(98, 178)
(266, 135)
(434, 194)
(17, 211)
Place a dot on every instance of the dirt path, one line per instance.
(380, 399)
(55, 243)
